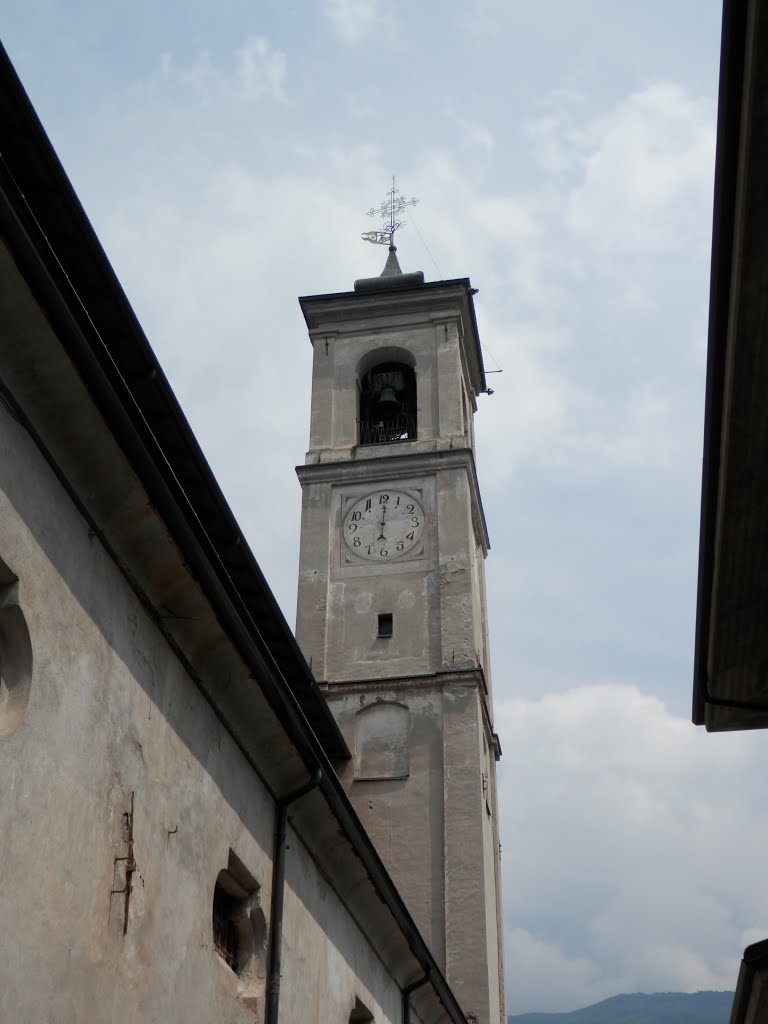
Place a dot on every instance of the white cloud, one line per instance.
(474, 135)
(353, 20)
(261, 70)
(557, 135)
(256, 70)
(526, 421)
(535, 966)
(647, 169)
(632, 850)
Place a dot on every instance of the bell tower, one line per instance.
(391, 601)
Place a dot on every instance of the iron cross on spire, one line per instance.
(388, 210)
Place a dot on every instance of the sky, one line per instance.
(563, 155)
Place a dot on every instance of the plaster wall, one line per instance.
(435, 828)
(434, 594)
(426, 793)
(340, 361)
(328, 963)
(405, 816)
(114, 721)
(471, 903)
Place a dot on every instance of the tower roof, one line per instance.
(390, 277)
(392, 266)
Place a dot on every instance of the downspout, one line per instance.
(278, 892)
(407, 997)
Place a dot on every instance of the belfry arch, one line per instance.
(387, 397)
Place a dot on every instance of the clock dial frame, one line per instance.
(384, 525)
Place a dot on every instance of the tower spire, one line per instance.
(392, 266)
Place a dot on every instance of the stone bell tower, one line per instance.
(391, 602)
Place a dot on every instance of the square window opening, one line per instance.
(385, 626)
(239, 927)
(226, 940)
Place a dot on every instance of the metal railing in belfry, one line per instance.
(400, 428)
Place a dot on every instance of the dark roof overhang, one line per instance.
(750, 1001)
(731, 648)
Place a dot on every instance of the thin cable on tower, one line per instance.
(485, 348)
(416, 226)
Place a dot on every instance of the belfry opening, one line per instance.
(388, 404)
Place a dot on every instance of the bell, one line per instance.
(387, 403)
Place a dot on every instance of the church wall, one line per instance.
(459, 608)
(449, 380)
(113, 723)
(340, 361)
(360, 591)
(436, 599)
(328, 962)
(414, 706)
(433, 828)
(492, 877)
(471, 884)
(404, 816)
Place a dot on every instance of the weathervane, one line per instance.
(388, 211)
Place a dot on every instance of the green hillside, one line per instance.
(662, 1008)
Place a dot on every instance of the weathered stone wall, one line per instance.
(415, 707)
(435, 824)
(113, 723)
(434, 594)
(340, 361)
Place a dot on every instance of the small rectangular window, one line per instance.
(226, 940)
(385, 625)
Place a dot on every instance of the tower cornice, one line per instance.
(471, 678)
(339, 313)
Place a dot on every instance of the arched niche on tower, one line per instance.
(382, 741)
(387, 396)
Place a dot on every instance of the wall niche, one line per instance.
(382, 741)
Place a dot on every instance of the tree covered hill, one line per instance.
(661, 1008)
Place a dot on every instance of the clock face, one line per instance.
(384, 525)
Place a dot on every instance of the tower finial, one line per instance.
(388, 211)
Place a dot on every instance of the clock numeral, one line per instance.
(400, 546)
(409, 536)
(356, 542)
(383, 552)
(409, 508)
(369, 549)
(397, 503)
(415, 520)
(383, 499)
(352, 527)
(368, 505)
(357, 516)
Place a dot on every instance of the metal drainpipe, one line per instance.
(278, 890)
(407, 997)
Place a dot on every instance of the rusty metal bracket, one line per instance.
(130, 865)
